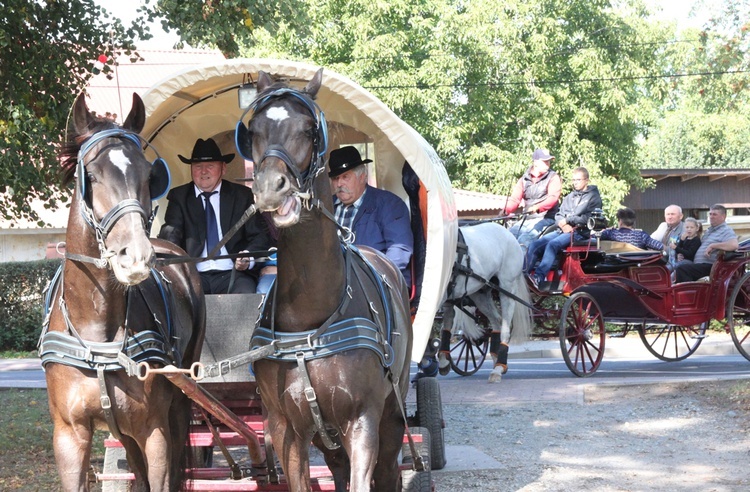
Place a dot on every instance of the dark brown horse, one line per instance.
(109, 309)
(318, 286)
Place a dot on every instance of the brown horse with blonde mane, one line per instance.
(110, 309)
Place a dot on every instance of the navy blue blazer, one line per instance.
(382, 223)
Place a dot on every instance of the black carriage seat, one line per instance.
(613, 256)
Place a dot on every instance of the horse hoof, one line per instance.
(444, 365)
(495, 376)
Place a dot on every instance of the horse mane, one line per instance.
(68, 155)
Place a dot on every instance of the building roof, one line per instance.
(474, 201)
(688, 174)
(113, 92)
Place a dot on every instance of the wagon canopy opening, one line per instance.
(204, 102)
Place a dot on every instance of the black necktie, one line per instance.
(212, 229)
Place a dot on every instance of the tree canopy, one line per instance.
(485, 82)
(49, 52)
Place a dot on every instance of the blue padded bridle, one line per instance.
(320, 138)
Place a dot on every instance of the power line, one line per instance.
(557, 81)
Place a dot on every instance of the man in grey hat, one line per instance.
(200, 212)
(378, 218)
(539, 189)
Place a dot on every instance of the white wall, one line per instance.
(28, 244)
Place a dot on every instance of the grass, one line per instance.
(27, 461)
(15, 354)
(26, 458)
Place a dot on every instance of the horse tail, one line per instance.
(522, 324)
(466, 324)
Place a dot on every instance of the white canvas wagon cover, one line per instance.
(202, 102)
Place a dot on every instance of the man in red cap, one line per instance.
(200, 212)
(539, 188)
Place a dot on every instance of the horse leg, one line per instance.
(444, 355)
(498, 338)
(136, 463)
(292, 450)
(363, 451)
(338, 462)
(386, 474)
(72, 445)
(179, 422)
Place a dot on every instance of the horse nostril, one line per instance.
(124, 258)
(281, 183)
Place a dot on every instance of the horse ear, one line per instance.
(313, 86)
(137, 117)
(264, 81)
(81, 115)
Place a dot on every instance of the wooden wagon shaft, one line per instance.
(208, 402)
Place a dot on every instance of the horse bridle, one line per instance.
(104, 227)
(320, 140)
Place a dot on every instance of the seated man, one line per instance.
(539, 188)
(201, 211)
(378, 218)
(627, 234)
(571, 220)
(718, 237)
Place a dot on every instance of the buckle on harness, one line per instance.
(105, 402)
(310, 394)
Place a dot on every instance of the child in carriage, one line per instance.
(686, 247)
(627, 234)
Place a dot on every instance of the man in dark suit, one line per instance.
(378, 218)
(200, 212)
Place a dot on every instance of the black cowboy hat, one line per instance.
(206, 151)
(343, 160)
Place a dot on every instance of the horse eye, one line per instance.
(90, 177)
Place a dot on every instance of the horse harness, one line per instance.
(459, 269)
(68, 348)
(150, 346)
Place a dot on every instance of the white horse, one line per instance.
(491, 255)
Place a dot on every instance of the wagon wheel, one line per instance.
(546, 314)
(430, 416)
(738, 316)
(468, 355)
(413, 480)
(582, 334)
(671, 343)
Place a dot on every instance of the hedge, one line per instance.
(22, 287)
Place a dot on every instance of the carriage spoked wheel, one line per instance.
(468, 355)
(582, 334)
(414, 480)
(738, 316)
(671, 343)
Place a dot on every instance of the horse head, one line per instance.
(286, 138)
(115, 186)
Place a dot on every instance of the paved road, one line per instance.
(536, 371)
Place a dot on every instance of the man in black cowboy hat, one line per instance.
(378, 218)
(200, 212)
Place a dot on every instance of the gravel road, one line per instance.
(661, 437)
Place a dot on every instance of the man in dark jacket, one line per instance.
(200, 212)
(378, 218)
(571, 220)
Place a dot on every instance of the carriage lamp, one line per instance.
(597, 221)
(246, 94)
